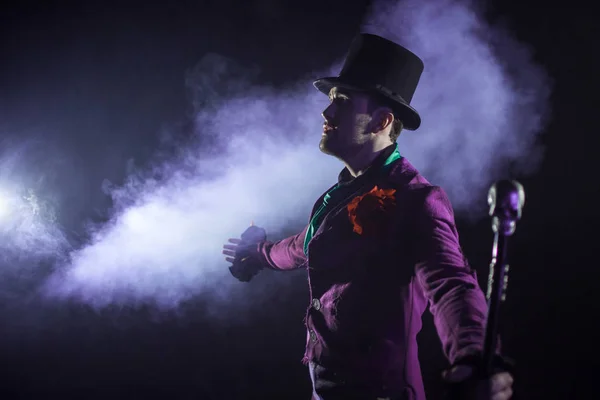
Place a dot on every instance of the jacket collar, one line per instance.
(400, 174)
(345, 177)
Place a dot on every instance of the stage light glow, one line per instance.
(4, 205)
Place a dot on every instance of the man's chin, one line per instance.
(325, 146)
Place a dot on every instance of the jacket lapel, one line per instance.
(401, 173)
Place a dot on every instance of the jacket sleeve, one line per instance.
(456, 301)
(285, 254)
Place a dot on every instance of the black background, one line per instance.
(63, 65)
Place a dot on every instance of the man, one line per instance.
(381, 244)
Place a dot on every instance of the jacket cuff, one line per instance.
(260, 255)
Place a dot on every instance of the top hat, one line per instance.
(384, 68)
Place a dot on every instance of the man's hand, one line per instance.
(244, 263)
(497, 387)
(231, 250)
(242, 253)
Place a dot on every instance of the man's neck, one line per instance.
(358, 164)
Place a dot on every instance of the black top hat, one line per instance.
(384, 68)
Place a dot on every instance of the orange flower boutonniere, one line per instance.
(370, 211)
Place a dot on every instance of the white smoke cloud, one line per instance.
(28, 229)
(477, 117)
(258, 159)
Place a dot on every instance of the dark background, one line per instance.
(64, 65)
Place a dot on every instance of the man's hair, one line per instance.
(378, 101)
(396, 129)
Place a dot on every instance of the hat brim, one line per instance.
(411, 120)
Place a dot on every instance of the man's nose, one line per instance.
(328, 113)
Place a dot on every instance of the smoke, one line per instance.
(30, 238)
(256, 158)
(482, 98)
(28, 209)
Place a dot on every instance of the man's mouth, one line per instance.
(328, 128)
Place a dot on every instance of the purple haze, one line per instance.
(163, 244)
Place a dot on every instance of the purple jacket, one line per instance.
(368, 293)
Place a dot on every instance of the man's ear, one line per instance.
(382, 117)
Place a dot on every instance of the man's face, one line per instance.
(345, 129)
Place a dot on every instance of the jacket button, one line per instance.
(316, 304)
(313, 335)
